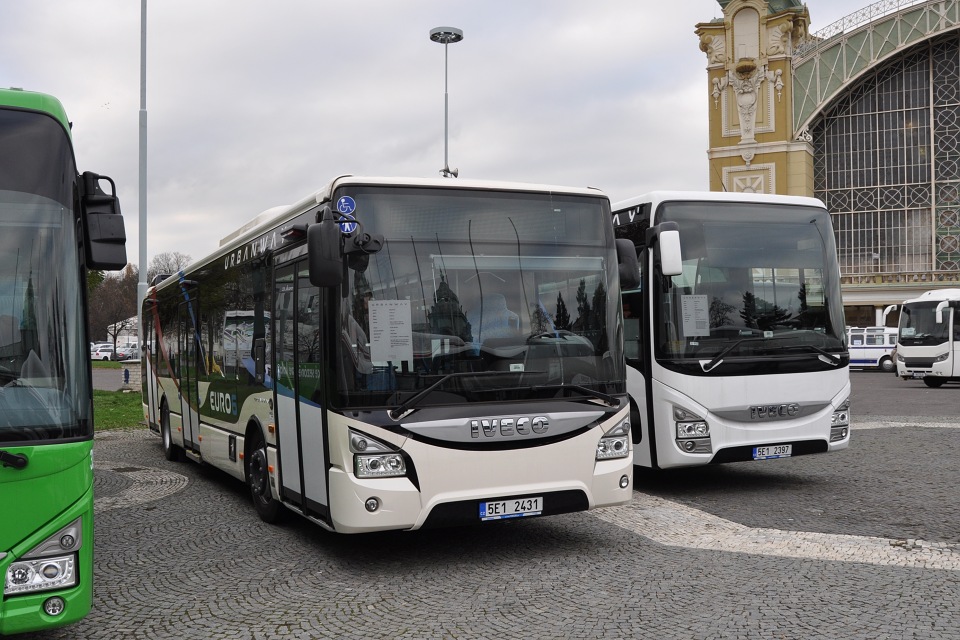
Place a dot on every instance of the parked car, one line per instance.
(127, 351)
(96, 345)
(103, 352)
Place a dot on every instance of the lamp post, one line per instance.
(142, 283)
(445, 36)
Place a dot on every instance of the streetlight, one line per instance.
(142, 283)
(445, 36)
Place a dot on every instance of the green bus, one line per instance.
(54, 225)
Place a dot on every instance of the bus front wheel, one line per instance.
(933, 382)
(258, 479)
(171, 452)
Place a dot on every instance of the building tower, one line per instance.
(863, 114)
(753, 147)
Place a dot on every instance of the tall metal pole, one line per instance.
(446, 35)
(142, 284)
(446, 109)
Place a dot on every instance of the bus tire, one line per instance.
(887, 365)
(171, 452)
(932, 382)
(258, 478)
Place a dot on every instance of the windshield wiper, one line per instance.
(605, 399)
(717, 359)
(406, 407)
(823, 355)
(14, 460)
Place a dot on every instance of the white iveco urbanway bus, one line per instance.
(735, 339)
(398, 354)
(929, 342)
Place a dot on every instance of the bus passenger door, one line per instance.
(303, 450)
(150, 361)
(189, 336)
(284, 367)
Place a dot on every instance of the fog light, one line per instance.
(54, 606)
(67, 541)
(838, 433)
(689, 445)
(624, 482)
(372, 504)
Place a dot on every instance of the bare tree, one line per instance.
(168, 262)
(113, 304)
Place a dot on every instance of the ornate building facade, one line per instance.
(864, 115)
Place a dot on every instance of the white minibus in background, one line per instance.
(735, 339)
(872, 347)
(928, 346)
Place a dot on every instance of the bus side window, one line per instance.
(631, 324)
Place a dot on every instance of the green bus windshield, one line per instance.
(44, 373)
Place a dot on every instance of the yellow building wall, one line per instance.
(763, 155)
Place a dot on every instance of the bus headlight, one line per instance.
(28, 576)
(840, 422)
(615, 442)
(373, 459)
(47, 566)
(693, 432)
(942, 357)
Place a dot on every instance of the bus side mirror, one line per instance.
(671, 262)
(259, 359)
(667, 234)
(940, 307)
(104, 238)
(629, 267)
(887, 311)
(324, 253)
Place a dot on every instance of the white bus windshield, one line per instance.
(515, 294)
(758, 281)
(919, 326)
(43, 362)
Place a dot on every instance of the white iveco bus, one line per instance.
(415, 353)
(929, 342)
(735, 339)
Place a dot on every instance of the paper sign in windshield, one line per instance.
(391, 331)
(696, 315)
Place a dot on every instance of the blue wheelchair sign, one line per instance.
(345, 207)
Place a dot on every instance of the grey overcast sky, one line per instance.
(257, 104)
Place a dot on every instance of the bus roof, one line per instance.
(324, 194)
(277, 216)
(656, 197)
(935, 295)
(34, 101)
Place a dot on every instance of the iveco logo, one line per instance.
(774, 411)
(508, 426)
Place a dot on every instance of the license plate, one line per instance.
(917, 376)
(775, 451)
(513, 508)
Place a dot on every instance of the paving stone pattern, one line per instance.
(785, 549)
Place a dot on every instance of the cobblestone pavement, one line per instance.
(858, 544)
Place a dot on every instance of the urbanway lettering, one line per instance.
(251, 250)
(508, 427)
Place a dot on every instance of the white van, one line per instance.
(872, 347)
